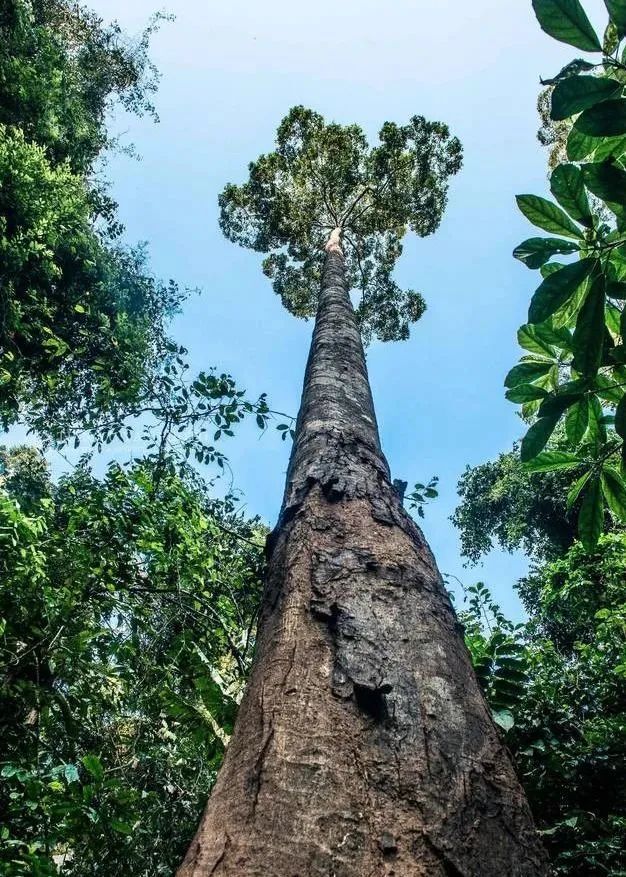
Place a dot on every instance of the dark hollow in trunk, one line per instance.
(363, 745)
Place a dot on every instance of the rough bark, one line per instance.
(363, 745)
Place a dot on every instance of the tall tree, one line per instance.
(363, 744)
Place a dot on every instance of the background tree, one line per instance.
(127, 602)
(363, 743)
(82, 322)
(502, 502)
(84, 349)
(127, 610)
(557, 683)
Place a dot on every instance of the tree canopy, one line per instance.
(324, 175)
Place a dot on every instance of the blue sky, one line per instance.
(230, 71)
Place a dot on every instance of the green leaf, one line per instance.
(537, 437)
(547, 270)
(526, 372)
(576, 488)
(617, 11)
(557, 288)
(565, 20)
(591, 515)
(530, 339)
(546, 215)
(596, 431)
(578, 93)
(607, 181)
(120, 827)
(94, 766)
(567, 186)
(580, 145)
(609, 387)
(552, 461)
(607, 119)
(613, 319)
(577, 420)
(535, 252)
(523, 393)
(589, 332)
(544, 338)
(503, 718)
(71, 773)
(614, 491)
(609, 147)
(555, 404)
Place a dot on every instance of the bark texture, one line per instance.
(363, 745)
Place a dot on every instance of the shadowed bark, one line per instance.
(363, 745)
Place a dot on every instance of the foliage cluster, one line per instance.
(127, 609)
(81, 320)
(557, 683)
(573, 371)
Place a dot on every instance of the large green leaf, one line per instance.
(530, 339)
(544, 338)
(555, 404)
(535, 252)
(591, 516)
(609, 147)
(617, 11)
(568, 187)
(607, 119)
(552, 461)
(550, 268)
(611, 387)
(557, 289)
(613, 318)
(576, 488)
(578, 93)
(614, 491)
(580, 145)
(606, 181)
(589, 332)
(522, 393)
(576, 421)
(93, 764)
(565, 20)
(537, 437)
(526, 372)
(548, 216)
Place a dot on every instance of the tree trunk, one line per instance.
(363, 745)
